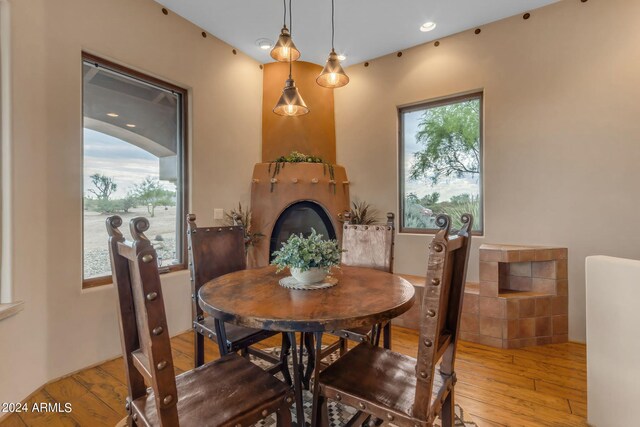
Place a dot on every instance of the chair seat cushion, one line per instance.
(381, 377)
(217, 393)
(237, 336)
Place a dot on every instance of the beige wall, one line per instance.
(62, 327)
(562, 134)
(313, 133)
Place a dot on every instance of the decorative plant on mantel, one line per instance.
(308, 258)
(243, 217)
(297, 157)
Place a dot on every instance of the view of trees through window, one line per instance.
(441, 162)
(132, 164)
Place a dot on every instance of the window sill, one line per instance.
(8, 310)
(97, 282)
(432, 233)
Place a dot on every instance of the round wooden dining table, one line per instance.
(254, 298)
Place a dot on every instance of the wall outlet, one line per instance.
(218, 214)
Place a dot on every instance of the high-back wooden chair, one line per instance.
(400, 389)
(227, 392)
(215, 251)
(368, 246)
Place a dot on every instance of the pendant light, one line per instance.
(332, 76)
(290, 102)
(285, 50)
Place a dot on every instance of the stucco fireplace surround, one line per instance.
(300, 196)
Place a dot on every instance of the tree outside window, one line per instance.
(441, 162)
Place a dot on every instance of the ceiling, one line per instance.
(365, 29)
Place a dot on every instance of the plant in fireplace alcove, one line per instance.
(362, 213)
(243, 217)
(308, 258)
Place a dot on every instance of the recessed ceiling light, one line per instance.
(130, 125)
(342, 57)
(264, 44)
(428, 26)
(112, 114)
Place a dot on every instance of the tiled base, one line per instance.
(513, 319)
(521, 299)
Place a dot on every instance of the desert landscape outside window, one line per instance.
(441, 162)
(133, 154)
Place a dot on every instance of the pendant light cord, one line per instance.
(333, 25)
(291, 34)
(284, 19)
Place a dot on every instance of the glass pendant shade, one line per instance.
(291, 103)
(285, 49)
(332, 76)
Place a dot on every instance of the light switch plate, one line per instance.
(218, 214)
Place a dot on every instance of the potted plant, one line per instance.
(242, 217)
(308, 258)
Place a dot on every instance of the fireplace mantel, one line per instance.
(295, 182)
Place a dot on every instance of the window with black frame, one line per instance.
(441, 162)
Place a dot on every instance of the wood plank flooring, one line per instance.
(537, 386)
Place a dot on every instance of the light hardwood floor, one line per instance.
(537, 386)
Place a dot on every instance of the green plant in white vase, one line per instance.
(308, 258)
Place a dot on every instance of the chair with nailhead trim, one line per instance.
(215, 251)
(369, 246)
(230, 391)
(399, 389)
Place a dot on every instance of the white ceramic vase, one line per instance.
(312, 275)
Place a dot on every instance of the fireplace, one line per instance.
(299, 197)
(300, 218)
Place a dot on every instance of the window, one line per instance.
(441, 163)
(133, 163)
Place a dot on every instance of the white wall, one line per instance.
(62, 327)
(612, 352)
(562, 134)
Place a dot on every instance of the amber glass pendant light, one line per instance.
(290, 102)
(285, 49)
(332, 76)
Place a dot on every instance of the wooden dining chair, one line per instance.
(399, 389)
(215, 251)
(368, 246)
(230, 391)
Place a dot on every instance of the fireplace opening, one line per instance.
(298, 218)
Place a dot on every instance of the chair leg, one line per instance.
(283, 417)
(447, 415)
(344, 346)
(221, 338)
(386, 339)
(244, 352)
(284, 359)
(322, 413)
(311, 358)
(198, 350)
(376, 330)
(359, 419)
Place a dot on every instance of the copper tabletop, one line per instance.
(255, 299)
